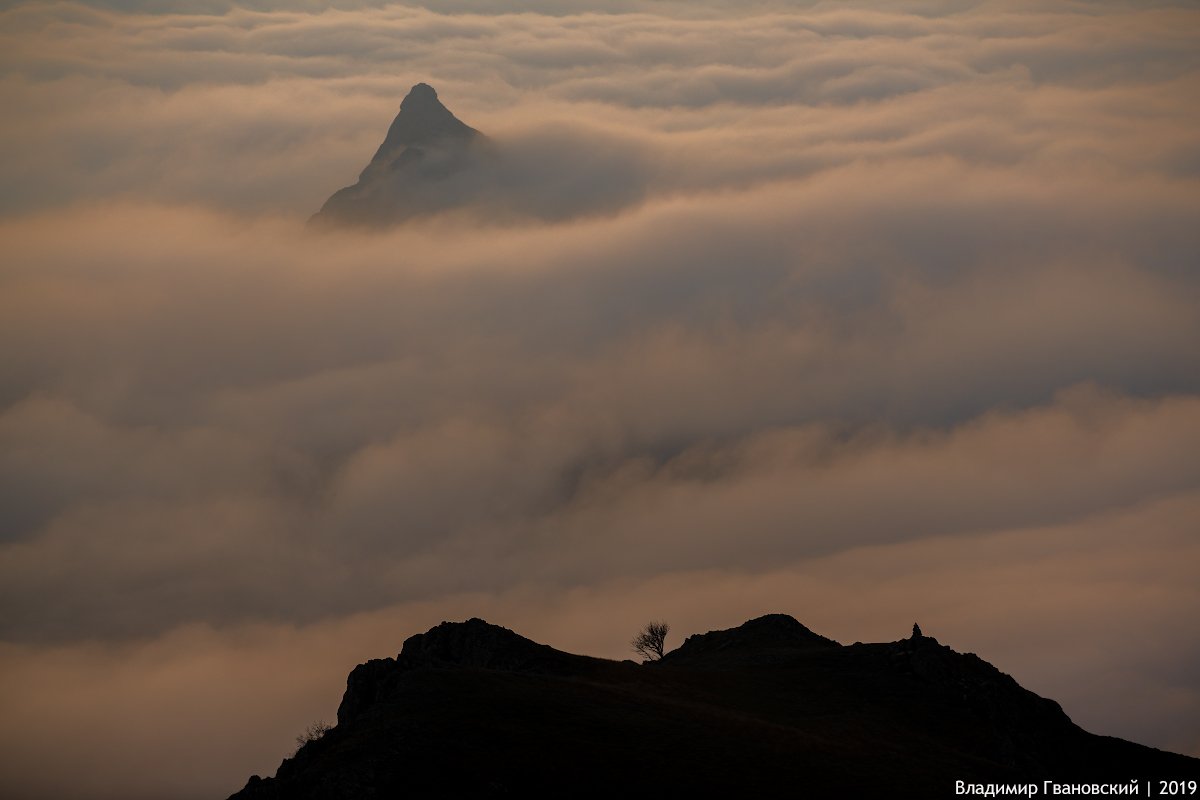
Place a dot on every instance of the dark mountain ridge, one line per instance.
(769, 707)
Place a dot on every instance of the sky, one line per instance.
(865, 312)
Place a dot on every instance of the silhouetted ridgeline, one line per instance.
(473, 709)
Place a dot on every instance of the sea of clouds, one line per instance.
(863, 312)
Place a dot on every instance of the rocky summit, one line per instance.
(769, 708)
(423, 166)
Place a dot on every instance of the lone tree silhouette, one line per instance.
(649, 643)
(313, 733)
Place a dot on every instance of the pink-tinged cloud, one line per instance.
(865, 315)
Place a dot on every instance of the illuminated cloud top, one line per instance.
(863, 312)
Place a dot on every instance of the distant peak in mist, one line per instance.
(423, 120)
(430, 162)
(413, 171)
(420, 93)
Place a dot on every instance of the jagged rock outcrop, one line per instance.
(422, 166)
(764, 709)
(473, 644)
(993, 693)
(773, 638)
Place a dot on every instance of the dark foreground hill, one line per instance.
(766, 709)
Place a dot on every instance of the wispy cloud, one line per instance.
(860, 314)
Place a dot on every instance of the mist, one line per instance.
(863, 313)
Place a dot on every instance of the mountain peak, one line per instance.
(764, 639)
(423, 120)
(411, 172)
(473, 644)
(421, 93)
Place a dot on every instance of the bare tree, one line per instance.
(312, 733)
(649, 643)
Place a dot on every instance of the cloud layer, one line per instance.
(861, 314)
